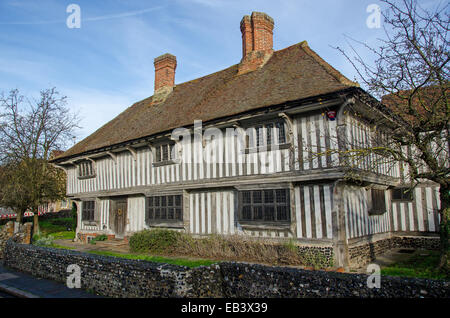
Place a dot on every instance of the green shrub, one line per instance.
(42, 240)
(154, 241)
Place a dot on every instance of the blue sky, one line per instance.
(107, 64)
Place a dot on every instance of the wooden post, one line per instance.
(340, 242)
(36, 229)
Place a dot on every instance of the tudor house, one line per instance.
(284, 180)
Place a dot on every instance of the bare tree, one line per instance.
(410, 74)
(30, 131)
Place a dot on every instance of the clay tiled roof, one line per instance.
(428, 105)
(293, 73)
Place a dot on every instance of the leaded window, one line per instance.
(164, 208)
(268, 205)
(281, 133)
(270, 134)
(88, 211)
(165, 152)
(85, 169)
(402, 194)
(378, 202)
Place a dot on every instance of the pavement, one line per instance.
(21, 285)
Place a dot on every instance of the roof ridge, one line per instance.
(301, 44)
(234, 65)
(229, 79)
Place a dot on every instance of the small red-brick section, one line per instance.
(262, 31)
(165, 66)
(247, 35)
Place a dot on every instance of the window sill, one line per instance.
(86, 177)
(372, 213)
(258, 225)
(267, 148)
(166, 224)
(90, 223)
(165, 163)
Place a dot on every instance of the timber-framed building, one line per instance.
(285, 179)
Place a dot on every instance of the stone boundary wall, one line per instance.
(364, 253)
(116, 277)
(319, 256)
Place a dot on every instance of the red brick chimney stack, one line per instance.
(247, 35)
(165, 66)
(262, 31)
(257, 41)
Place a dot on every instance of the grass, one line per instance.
(54, 225)
(158, 259)
(145, 257)
(54, 229)
(418, 266)
(66, 235)
(62, 247)
(57, 229)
